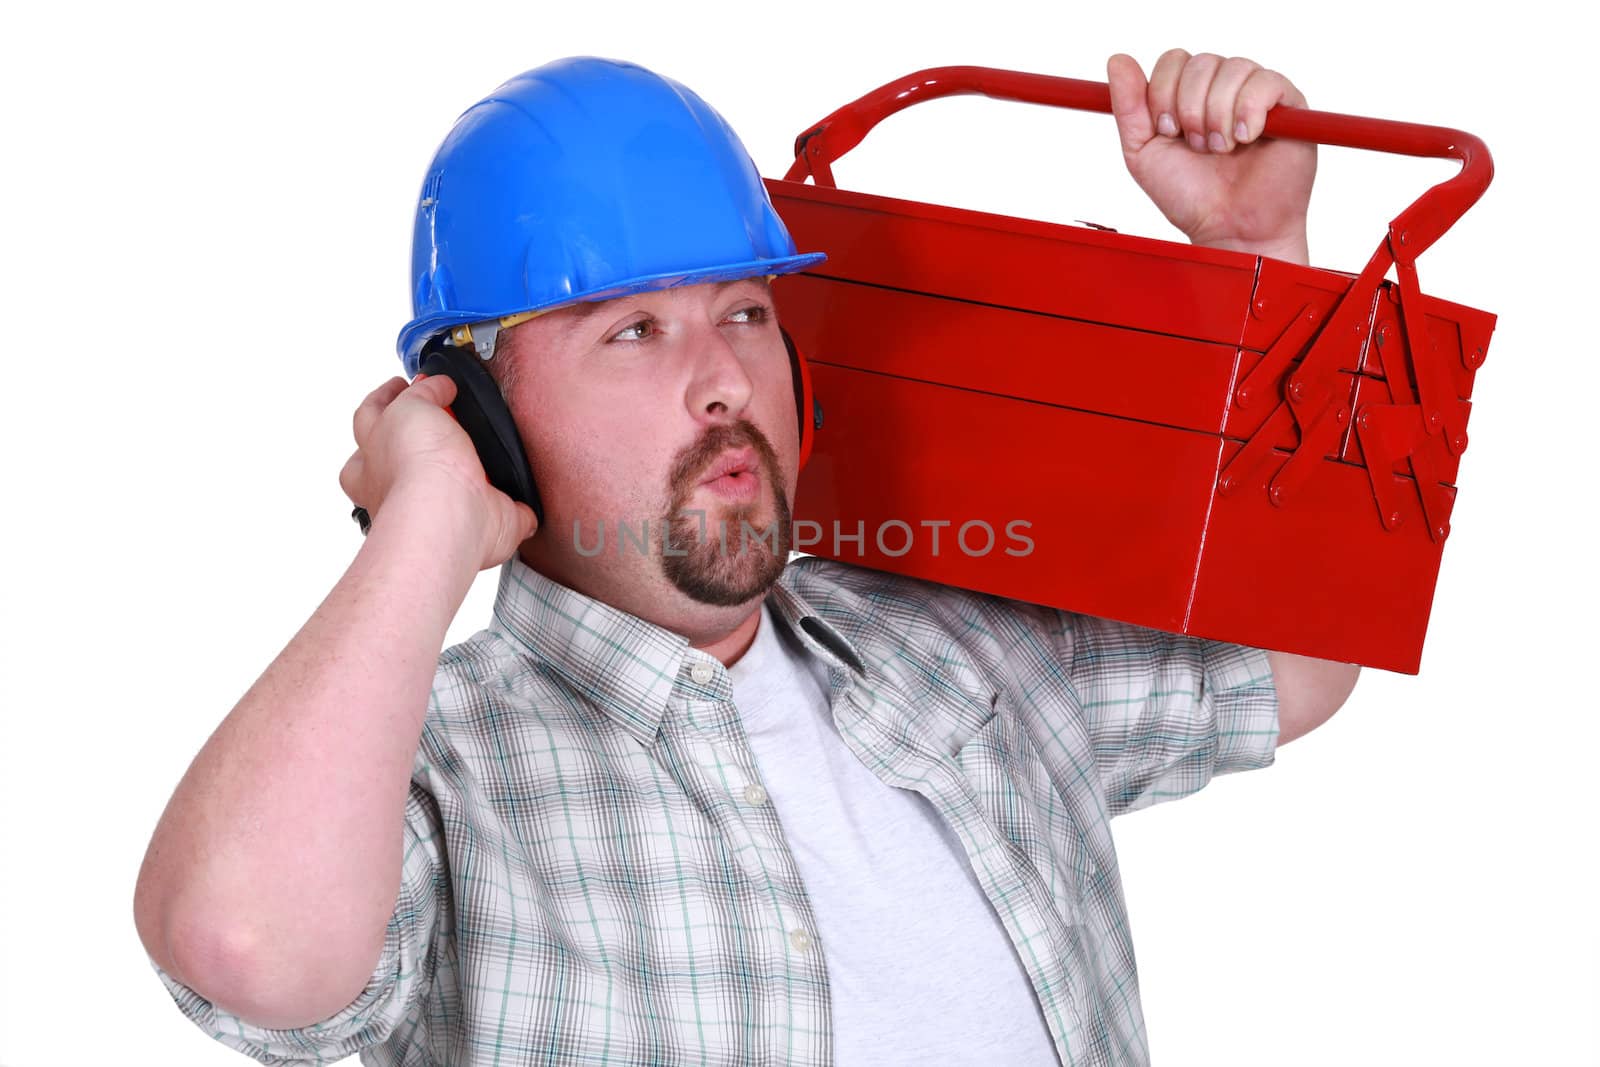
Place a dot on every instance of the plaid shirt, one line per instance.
(586, 880)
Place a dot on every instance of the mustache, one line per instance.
(693, 461)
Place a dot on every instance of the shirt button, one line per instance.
(701, 673)
(754, 794)
(800, 940)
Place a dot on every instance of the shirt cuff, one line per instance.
(1245, 701)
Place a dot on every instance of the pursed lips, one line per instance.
(737, 461)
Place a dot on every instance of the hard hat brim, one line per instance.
(417, 332)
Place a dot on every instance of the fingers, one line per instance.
(1194, 81)
(405, 436)
(1221, 103)
(1163, 91)
(1261, 92)
(437, 389)
(370, 408)
(1215, 104)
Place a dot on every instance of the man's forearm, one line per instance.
(272, 874)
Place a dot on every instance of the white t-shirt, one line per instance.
(919, 966)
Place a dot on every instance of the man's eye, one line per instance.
(635, 331)
(752, 314)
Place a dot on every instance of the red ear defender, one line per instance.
(804, 402)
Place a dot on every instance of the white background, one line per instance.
(207, 219)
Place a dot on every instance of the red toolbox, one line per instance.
(1196, 440)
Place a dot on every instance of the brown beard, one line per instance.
(722, 558)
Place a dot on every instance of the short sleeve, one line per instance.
(1167, 712)
(393, 998)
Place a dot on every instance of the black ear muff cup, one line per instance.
(482, 412)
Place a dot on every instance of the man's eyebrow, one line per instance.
(582, 312)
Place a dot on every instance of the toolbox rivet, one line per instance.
(1394, 518)
(1275, 494)
(1476, 359)
(1341, 415)
(1405, 236)
(1261, 307)
(1297, 390)
(1433, 420)
(1460, 442)
(1244, 396)
(1444, 531)
(1365, 421)
(1227, 483)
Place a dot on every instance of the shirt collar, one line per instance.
(815, 632)
(626, 666)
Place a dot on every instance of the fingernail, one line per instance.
(1197, 142)
(1241, 131)
(1216, 142)
(1165, 125)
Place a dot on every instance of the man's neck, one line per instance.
(731, 648)
(726, 645)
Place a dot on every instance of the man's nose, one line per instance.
(721, 386)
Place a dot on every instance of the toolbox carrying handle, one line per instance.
(1421, 224)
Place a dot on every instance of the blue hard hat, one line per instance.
(584, 179)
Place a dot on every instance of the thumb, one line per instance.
(1128, 104)
(517, 521)
(510, 535)
(529, 523)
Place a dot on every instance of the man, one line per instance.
(686, 805)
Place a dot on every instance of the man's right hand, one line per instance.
(410, 449)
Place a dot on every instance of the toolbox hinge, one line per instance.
(1316, 398)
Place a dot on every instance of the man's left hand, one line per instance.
(1191, 139)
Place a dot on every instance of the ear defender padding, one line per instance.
(805, 404)
(482, 412)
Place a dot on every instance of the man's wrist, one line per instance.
(433, 516)
(1291, 248)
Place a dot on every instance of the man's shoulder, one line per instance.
(842, 592)
(485, 672)
(875, 607)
